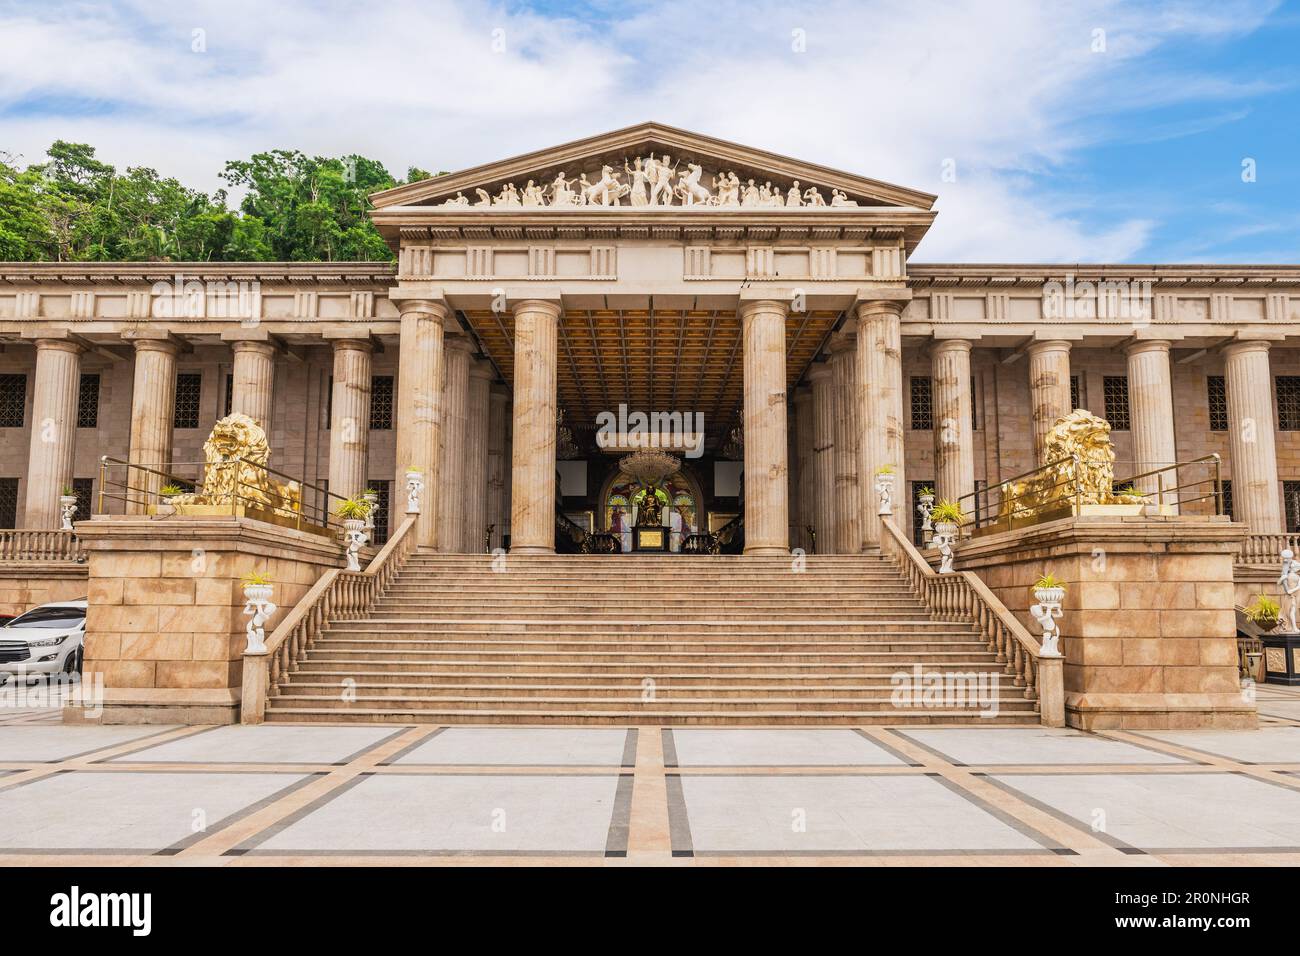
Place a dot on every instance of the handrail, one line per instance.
(336, 595)
(44, 544)
(963, 593)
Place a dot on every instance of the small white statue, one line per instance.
(661, 181)
(689, 188)
(533, 195)
(885, 493)
(483, 198)
(944, 543)
(794, 197)
(414, 485)
(813, 197)
(67, 510)
(839, 198)
(356, 540)
(257, 606)
(925, 509)
(752, 196)
(460, 199)
(1047, 614)
(562, 193)
(1289, 582)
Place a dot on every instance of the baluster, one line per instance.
(1019, 679)
(1001, 642)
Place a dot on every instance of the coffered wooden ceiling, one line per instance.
(653, 360)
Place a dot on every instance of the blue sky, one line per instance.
(1088, 131)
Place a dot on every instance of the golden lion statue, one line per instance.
(234, 470)
(1078, 446)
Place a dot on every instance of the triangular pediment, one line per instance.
(721, 170)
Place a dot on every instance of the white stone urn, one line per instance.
(946, 528)
(67, 509)
(371, 499)
(259, 607)
(924, 507)
(1047, 612)
(354, 538)
(414, 485)
(885, 493)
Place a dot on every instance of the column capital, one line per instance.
(547, 305)
(844, 342)
(268, 349)
(952, 345)
(761, 303)
(819, 372)
(802, 395)
(70, 344)
(881, 302)
(1148, 345)
(149, 340)
(482, 368)
(1247, 345)
(499, 393)
(435, 306)
(458, 341)
(342, 343)
(1039, 346)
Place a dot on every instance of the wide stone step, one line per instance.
(765, 629)
(806, 617)
(496, 643)
(325, 674)
(278, 712)
(648, 659)
(661, 690)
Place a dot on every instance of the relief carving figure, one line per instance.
(839, 198)
(661, 190)
(562, 193)
(460, 199)
(483, 198)
(794, 197)
(607, 190)
(534, 195)
(753, 195)
(639, 185)
(690, 190)
(1079, 444)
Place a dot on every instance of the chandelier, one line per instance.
(649, 467)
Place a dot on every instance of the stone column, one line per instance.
(1249, 383)
(843, 362)
(481, 374)
(419, 408)
(954, 450)
(452, 466)
(153, 411)
(1151, 415)
(1049, 389)
(803, 415)
(498, 419)
(54, 430)
(880, 409)
(532, 472)
(822, 494)
(350, 422)
(794, 532)
(252, 380)
(766, 519)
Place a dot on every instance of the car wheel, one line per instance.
(73, 664)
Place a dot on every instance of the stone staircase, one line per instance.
(628, 639)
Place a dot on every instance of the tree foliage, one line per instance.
(74, 207)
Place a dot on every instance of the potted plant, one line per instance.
(946, 517)
(925, 495)
(1263, 612)
(353, 512)
(257, 586)
(1049, 589)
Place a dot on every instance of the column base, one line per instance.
(767, 549)
(531, 549)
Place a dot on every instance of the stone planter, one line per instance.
(354, 537)
(946, 528)
(885, 493)
(414, 485)
(1049, 595)
(67, 508)
(258, 606)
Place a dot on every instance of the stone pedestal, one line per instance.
(880, 409)
(153, 411)
(1281, 659)
(1151, 417)
(165, 626)
(53, 429)
(1149, 629)
(350, 418)
(1049, 389)
(766, 501)
(419, 405)
(1249, 384)
(849, 488)
(954, 449)
(821, 505)
(532, 476)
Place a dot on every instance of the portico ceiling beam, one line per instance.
(600, 366)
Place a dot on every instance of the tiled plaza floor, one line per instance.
(251, 796)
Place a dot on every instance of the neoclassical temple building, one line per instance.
(759, 319)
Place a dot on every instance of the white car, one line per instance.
(45, 640)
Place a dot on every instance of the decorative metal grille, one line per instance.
(974, 406)
(8, 502)
(13, 401)
(381, 402)
(230, 393)
(1291, 498)
(1074, 393)
(922, 414)
(1227, 499)
(88, 402)
(189, 393)
(83, 488)
(918, 536)
(1115, 393)
(381, 509)
(1288, 402)
(1216, 392)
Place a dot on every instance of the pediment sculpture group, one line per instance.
(652, 181)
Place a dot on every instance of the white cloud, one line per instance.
(1009, 91)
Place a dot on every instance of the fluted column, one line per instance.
(1049, 389)
(350, 420)
(54, 430)
(880, 409)
(1151, 415)
(803, 426)
(532, 472)
(419, 407)
(954, 450)
(498, 422)
(843, 362)
(822, 494)
(452, 465)
(481, 374)
(252, 380)
(1249, 383)
(153, 411)
(766, 504)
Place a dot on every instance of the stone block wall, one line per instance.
(25, 584)
(166, 624)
